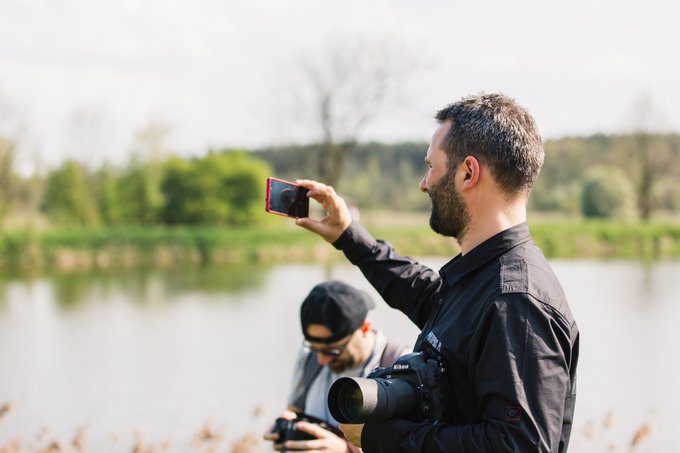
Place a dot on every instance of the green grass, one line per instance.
(69, 249)
(607, 240)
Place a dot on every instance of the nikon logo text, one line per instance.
(400, 366)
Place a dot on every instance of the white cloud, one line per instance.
(212, 68)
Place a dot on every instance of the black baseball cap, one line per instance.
(336, 305)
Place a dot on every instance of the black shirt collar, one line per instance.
(461, 265)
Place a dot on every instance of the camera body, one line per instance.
(285, 428)
(410, 388)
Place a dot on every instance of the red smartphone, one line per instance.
(286, 198)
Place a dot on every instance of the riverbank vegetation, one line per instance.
(95, 248)
(597, 197)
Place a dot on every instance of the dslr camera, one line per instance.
(285, 428)
(410, 388)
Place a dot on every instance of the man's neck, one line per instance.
(489, 224)
(367, 345)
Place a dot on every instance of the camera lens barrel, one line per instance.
(361, 400)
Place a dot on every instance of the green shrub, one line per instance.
(607, 194)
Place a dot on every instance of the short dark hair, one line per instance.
(500, 133)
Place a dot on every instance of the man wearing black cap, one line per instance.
(339, 341)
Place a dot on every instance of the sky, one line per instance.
(80, 78)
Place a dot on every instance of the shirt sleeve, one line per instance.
(401, 281)
(519, 365)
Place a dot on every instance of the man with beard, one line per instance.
(495, 316)
(339, 342)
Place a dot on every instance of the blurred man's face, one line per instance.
(338, 355)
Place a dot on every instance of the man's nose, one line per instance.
(323, 359)
(423, 184)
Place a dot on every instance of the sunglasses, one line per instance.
(329, 352)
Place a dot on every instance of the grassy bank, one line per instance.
(75, 249)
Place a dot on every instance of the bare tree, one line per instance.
(6, 175)
(149, 149)
(650, 155)
(7, 153)
(89, 131)
(20, 166)
(344, 90)
(151, 142)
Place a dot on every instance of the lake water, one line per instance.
(200, 359)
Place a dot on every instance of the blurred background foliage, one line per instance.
(622, 177)
(220, 188)
(171, 209)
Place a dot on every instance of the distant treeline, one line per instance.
(622, 177)
(602, 176)
(210, 209)
(218, 189)
(377, 175)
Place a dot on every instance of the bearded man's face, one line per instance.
(449, 216)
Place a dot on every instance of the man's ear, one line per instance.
(471, 169)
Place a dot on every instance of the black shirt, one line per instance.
(500, 321)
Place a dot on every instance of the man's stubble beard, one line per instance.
(337, 368)
(339, 365)
(449, 215)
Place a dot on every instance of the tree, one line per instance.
(650, 155)
(68, 199)
(140, 186)
(343, 91)
(6, 175)
(218, 189)
(139, 194)
(607, 193)
(10, 129)
(109, 204)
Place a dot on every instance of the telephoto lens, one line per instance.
(362, 400)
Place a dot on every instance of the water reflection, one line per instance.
(176, 352)
(142, 286)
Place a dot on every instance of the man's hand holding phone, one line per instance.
(291, 199)
(337, 218)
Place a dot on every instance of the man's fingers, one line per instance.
(318, 191)
(352, 432)
(309, 184)
(326, 440)
(321, 191)
(337, 217)
(324, 195)
(306, 445)
(315, 430)
(288, 414)
(309, 224)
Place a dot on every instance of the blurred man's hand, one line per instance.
(325, 440)
(274, 437)
(352, 433)
(337, 217)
